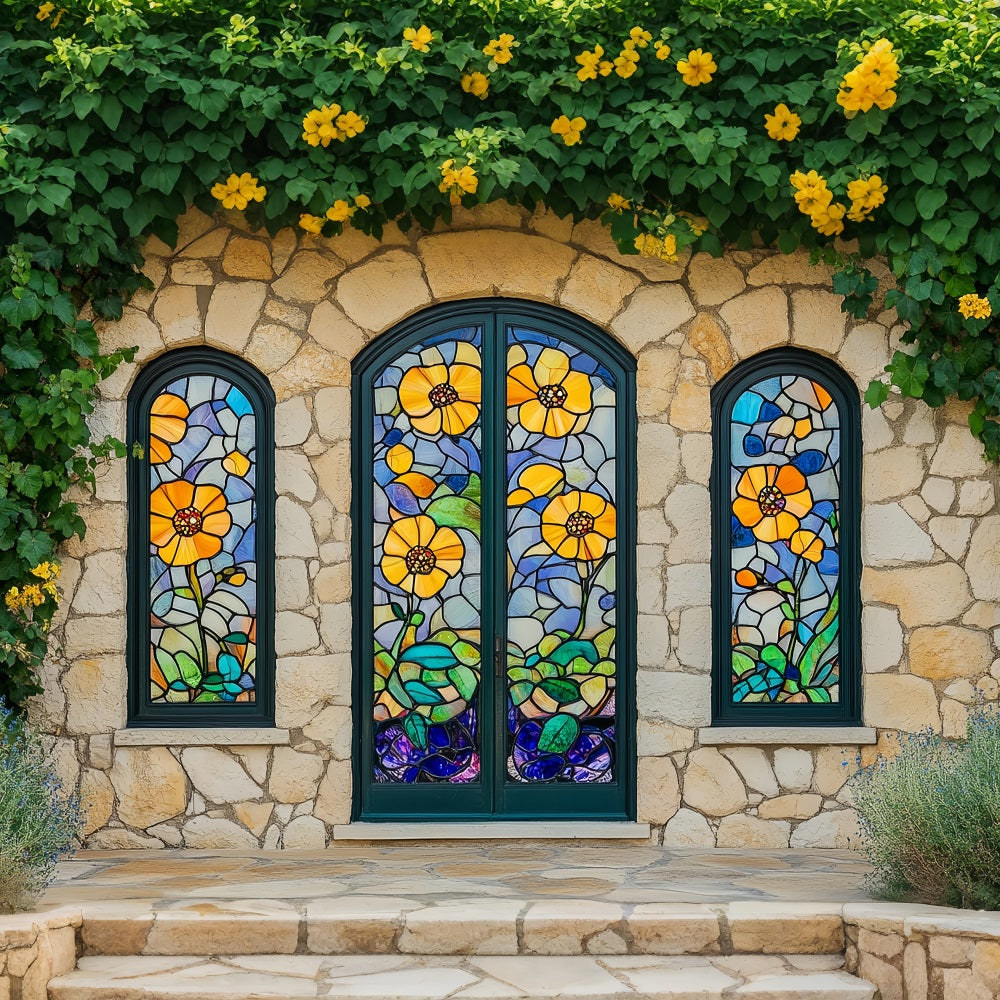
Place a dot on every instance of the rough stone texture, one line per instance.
(150, 785)
(901, 701)
(944, 652)
(712, 785)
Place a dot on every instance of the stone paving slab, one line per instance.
(303, 977)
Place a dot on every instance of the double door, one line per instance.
(494, 546)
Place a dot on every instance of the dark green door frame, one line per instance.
(493, 797)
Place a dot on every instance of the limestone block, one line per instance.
(793, 768)
(915, 971)
(312, 368)
(659, 462)
(597, 288)
(652, 640)
(383, 290)
(897, 473)
(889, 536)
(951, 534)
(688, 511)
(790, 269)
(964, 984)
(750, 832)
(947, 651)
(134, 329)
(691, 409)
(335, 624)
(696, 457)
(876, 431)
(984, 571)
(191, 272)
(837, 828)
(293, 533)
(694, 644)
(712, 785)
(205, 833)
(248, 258)
(89, 636)
(209, 245)
(308, 276)
(756, 320)
(713, 280)
(976, 496)
(939, 494)
(294, 633)
(333, 473)
(150, 785)
(292, 422)
(688, 585)
(99, 746)
(961, 691)
(986, 964)
(959, 455)
(707, 338)
(304, 684)
(254, 815)
(925, 595)
(834, 765)
(683, 699)
(865, 352)
(291, 584)
(688, 828)
(333, 802)
(218, 776)
(95, 694)
(97, 798)
(294, 475)
(177, 315)
(818, 322)
(333, 413)
(333, 730)
(881, 639)
(790, 807)
(304, 833)
(294, 775)
(284, 313)
(658, 795)
(754, 768)
(653, 312)
(232, 312)
(656, 374)
(272, 346)
(656, 738)
(900, 701)
(102, 588)
(106, 524)
(947, 950)
(954, 719)
(334, 332)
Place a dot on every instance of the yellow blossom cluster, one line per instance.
(617, 203)
(973, 306)
(870, 84)
(477, 84)
(592, 64)
(664, 248)
(456, 181)
(815, 199)
(419, 38)
(784, 124)
(697, 68)
(45, 12)
(571, 129)
(662, 50)
(19, 599)
(499, 49)
(866, 194)
(322, 125)
(340, 211)
(239, 191)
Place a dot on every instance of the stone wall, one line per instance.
(35, 948)
(300, 308)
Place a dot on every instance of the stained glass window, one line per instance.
(492, 553)
(199, 595)
(786, 458)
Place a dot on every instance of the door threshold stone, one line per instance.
(502, 830)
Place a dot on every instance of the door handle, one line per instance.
(498, 657)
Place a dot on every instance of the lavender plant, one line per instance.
(930, 817)
(39, 821)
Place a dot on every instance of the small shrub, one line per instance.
(39, 822)
(930, 817)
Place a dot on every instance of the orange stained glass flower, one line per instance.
(419, 556)
(579, 525)
(807, 544)
(441, 397)
(553, 399)
(187, 522)
(167, 425)
(771, 499)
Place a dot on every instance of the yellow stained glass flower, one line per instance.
(537, 480)
(783, 125)
(236, 464)
(571, 129)
(697, 68)
(806, 544)
(441, 398)
(579, 525)
(419, 556)
(167, 425)
(771, 499)
(187, 522)
(419, 38)
(552, 399)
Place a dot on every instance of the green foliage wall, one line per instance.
(115, 117)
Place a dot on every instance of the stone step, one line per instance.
(382, 925)
(521, 977)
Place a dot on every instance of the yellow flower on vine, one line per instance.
(662, 50)
(456, 181)
(589, 62)
(640, 37)
(340, 211)
(498, 49)
(350, 124)
(649, 245)
(312, 224)
(627, 62)
(239, 191)
(319, 127)
(783, 125)
(697, 68)
(571, 129)
(477, 84)
(973, 306)
(419, 38)
(617, 203)
(362, 201)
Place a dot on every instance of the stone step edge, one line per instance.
(371, 925)
(302, 977)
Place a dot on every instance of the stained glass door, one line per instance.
(491, 557)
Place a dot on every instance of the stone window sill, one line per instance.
(792, 736)
(537, 830)
(231, 737)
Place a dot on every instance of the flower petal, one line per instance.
(578, 392)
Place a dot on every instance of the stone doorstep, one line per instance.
(358, 925)
(367, 977)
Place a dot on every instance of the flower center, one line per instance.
(420, 560)
(579, 523)
(771, 500)
(187, 522)
(443, 394)
(551, 396)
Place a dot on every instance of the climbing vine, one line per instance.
(855, 129)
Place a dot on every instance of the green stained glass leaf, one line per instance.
(167, 665)
(456, 512)
(240, 638)
(415, 727)
(205, 697)
(421, 694)
(786, 586)
(579, 665)
(604, 642)
(397, 611)
(520, 673)
(818, 694)
(569, 651)
(396, 689)
(190, 671)
(605, 667)
(742, 664)
(774, 657)
(435, 678)
(560, 690)
(433, 655)
(558, 734)
(474, 490)
(521, 691)
(786, 610)
(184, 592)
(812, 657)
(466, 652)
(465, 680)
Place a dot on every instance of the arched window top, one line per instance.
(786, 553)
(201, 432)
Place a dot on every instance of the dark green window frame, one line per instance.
(788, 361)
(431, 802)
(148, 384)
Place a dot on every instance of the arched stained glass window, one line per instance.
(495, 549)
(201, 546)
(786, 562)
